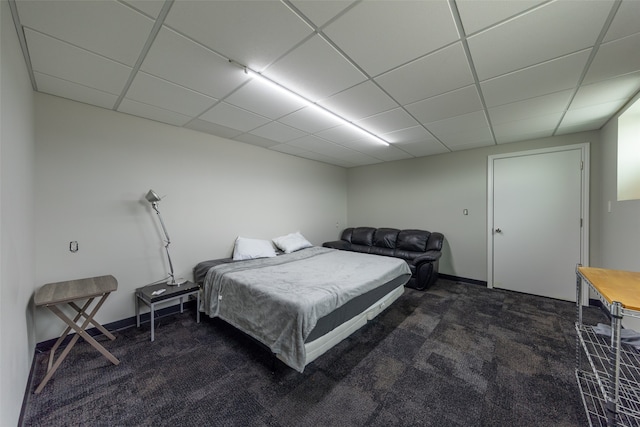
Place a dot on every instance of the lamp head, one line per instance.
(152, 197)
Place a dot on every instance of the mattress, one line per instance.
(289, 302)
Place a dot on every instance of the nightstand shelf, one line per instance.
(146, 295)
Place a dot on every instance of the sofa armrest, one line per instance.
(428, 256)
(338, 244)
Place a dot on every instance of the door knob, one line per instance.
(498, 230)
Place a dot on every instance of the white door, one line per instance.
(536, 212)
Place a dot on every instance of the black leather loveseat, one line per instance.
(419, 248)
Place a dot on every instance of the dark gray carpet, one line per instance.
(456, 355)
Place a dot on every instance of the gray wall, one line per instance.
(17, 256)
(94, 166)
(432, 192)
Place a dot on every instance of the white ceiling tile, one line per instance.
(179, 60)
(530, 128)
(461, 130)
(340, 134)
(212, 128)
(360, 101)
(549, 77)
(149, 7)
(409, 135)
(326, 159)
(55, 58)
(321, 146)
(422, 148)
(76, 92)
(265, 100)
(615, 59)
(256, 140)
(169, 96)
(475, 142)
(532, 107)
(310, 120)
(321, 11)
(254, 33)
(555, 29)
(388, 121)
(626, 21)
(432, 75)
(289, 149)
(623, 87)
(89, 25)
(233, 117)
(151, 112)
(419, 27)
(450, 104)
(479, 14)
(595, 116)
(278, 132)
(315, 70)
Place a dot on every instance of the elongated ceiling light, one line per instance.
(307, 103)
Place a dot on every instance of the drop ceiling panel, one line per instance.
(552, 76)
(180, 60)
(388, 121)
(419, 27)
(254, 33)
(594, 116)
(256, 140)
(308, 120)
(479, 14)
(452, 132)
(321, 11)
(236, 118)
(619, 88)
(152, 112)
(450, 104)
(529, 128)
(278, 132)
(315, 70)
(530, 108)
(555, 29)
(435, 74)
(615, 59)
(626, 22)
(89, 25)
(360, 101)
(169, 96)
(58, 59)
(76, 92)
(212, 128)
(264, 100)
(150, 8)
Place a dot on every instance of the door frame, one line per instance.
(584, 198)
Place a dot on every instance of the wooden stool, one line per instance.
(52, 295)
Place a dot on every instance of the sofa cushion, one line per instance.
(385, 238)
(412, 240)
(362, 236)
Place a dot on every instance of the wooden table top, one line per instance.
(615, 285)
(71, 290)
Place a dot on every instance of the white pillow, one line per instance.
(252, 248)
(291, 242)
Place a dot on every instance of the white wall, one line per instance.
(17, 256)
(94, 166)
(431, 193)
(620, 228)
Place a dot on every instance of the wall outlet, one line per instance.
(73, 246)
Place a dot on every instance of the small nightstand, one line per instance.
(147, 296)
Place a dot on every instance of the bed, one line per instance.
(301, 304)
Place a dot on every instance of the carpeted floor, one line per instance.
(456, 355)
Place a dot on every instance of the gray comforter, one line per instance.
(279, 300)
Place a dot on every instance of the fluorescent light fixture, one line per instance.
(310, 104)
